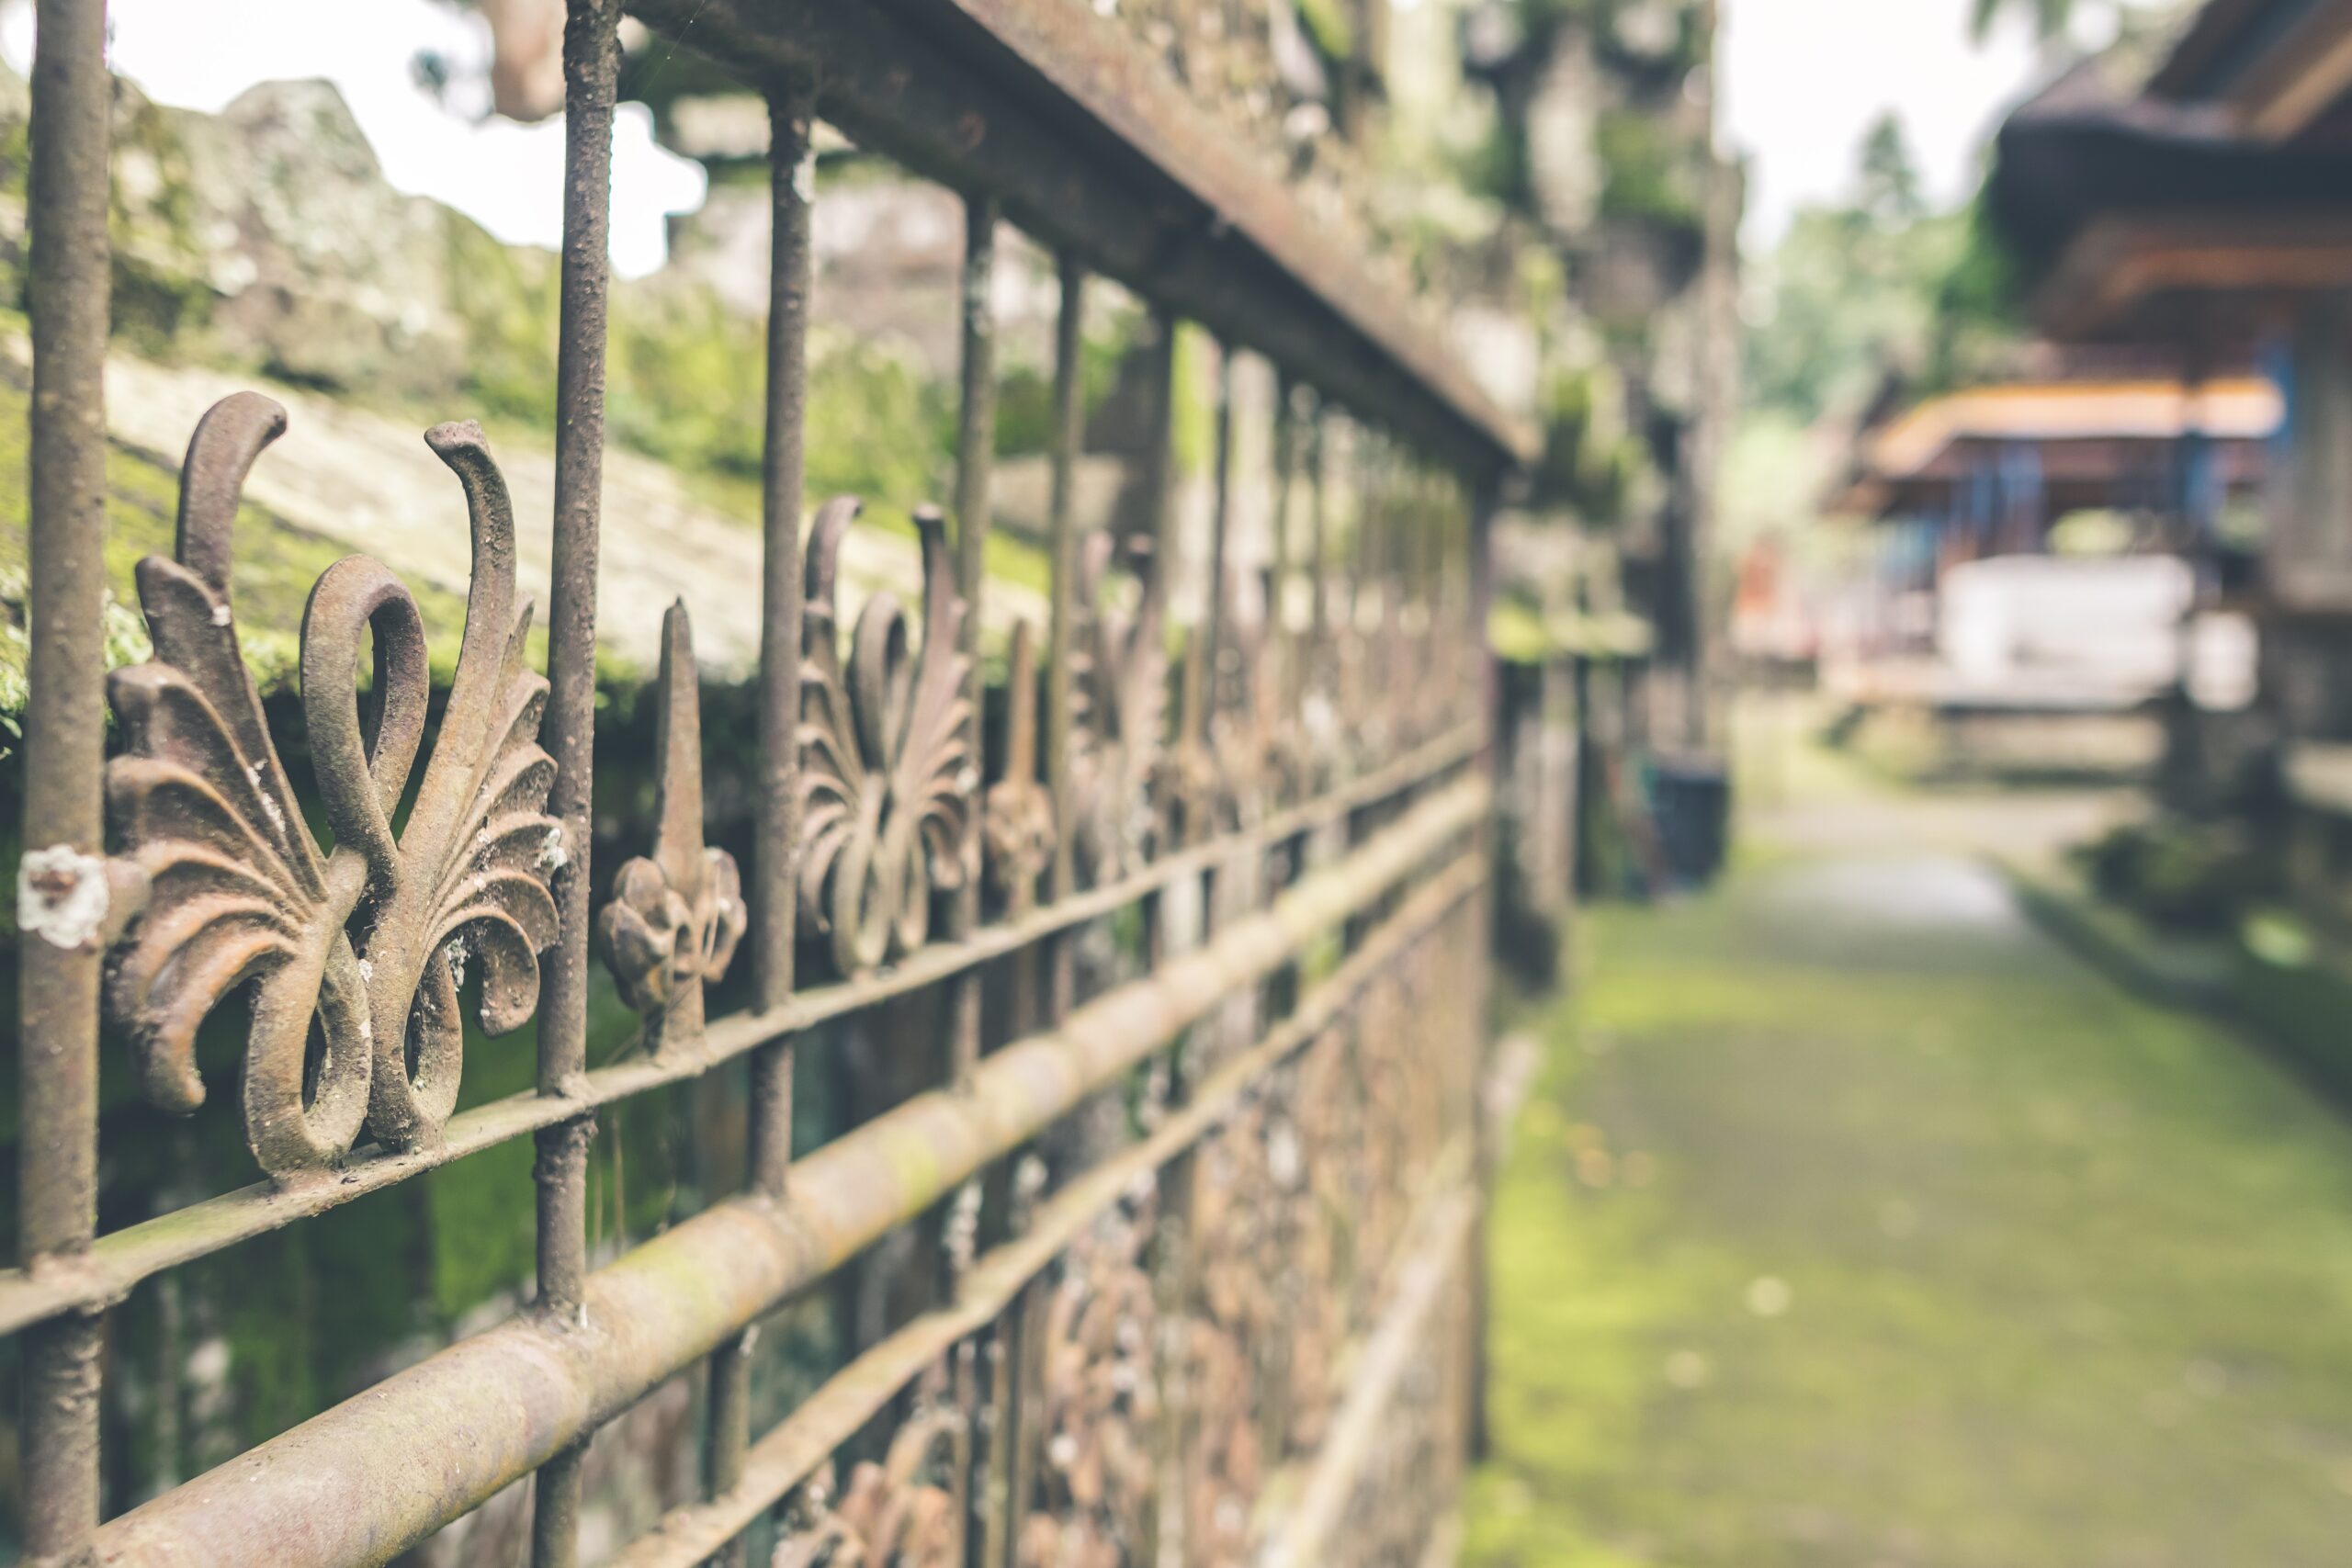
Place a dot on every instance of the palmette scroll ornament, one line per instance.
(887, 778)
(900, 1513)
(1101, 1405)
(363, 946)
(675, 918)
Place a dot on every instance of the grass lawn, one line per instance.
(1850, 1223)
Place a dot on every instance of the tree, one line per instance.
(2050, 17)
(1890, 176)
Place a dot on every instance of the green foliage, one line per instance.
(1880, 285)
(1024, 393)
(2049, 18)
(2179, 875)
(1327, 23)
(1647, 172)
(1590, 461)
(1890, 176)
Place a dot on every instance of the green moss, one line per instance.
(270, 583)
(1193, 422)
(1646, 172)
(1843, 1233)
(1326, 22)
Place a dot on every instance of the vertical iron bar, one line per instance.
(792, 172)
(1215, 610)
(591, 79)
(1318, 542)
(1159, 453)
(1159, 489)
(792, 176)
(1070, 435)
(64, 833)
(1280, 565)
(975, 459)
(728, 1419)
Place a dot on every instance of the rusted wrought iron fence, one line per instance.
(1239, 1328)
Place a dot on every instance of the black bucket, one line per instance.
(1690, 805)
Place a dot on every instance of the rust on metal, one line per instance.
(796, 1448)
(63, 891)
(674, 917)
(1017, 814)
(792, 118)
(119, 1260)
(523, 1390)
(1157, 195)
(1182, 1340)
(975, 461)
(886, 785)
(372, 937)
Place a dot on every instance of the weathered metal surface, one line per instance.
(371, 937)
(1089, 147)
(117, 1261)
(887, 777)
(794, 1450)
(523, 1390)
(559, 1168)
(1018, 811)
(61, 885)
(1160, 1324)
(674, 917)
(792, 176)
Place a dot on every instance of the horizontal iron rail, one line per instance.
(118, 1262)
(487, 1411)
(1069, 121)
(796, 1447)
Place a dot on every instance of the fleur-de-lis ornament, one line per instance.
(1186, 787)
(1017, 820)
(1123, 701)
(887, 780)
(1098, 1408)
(675, 919)
(356, 953)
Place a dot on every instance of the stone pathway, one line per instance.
(1852, 1223)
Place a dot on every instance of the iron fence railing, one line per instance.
(1242, 1330)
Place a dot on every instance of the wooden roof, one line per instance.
(2198, 200)
(2092, 439)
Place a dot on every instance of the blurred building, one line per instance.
(2190, 191)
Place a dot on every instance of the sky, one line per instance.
(1803, 80)
(507, 177)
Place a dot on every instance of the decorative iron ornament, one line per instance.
(1277, 739)
(366, 944)
(900, 1513)
(1017, 830)
(1117, 737)
(1321, 1243)
(1247, 1185)
(1186, 786)
(887, 778)
(1100, 1409)
(675, 919)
